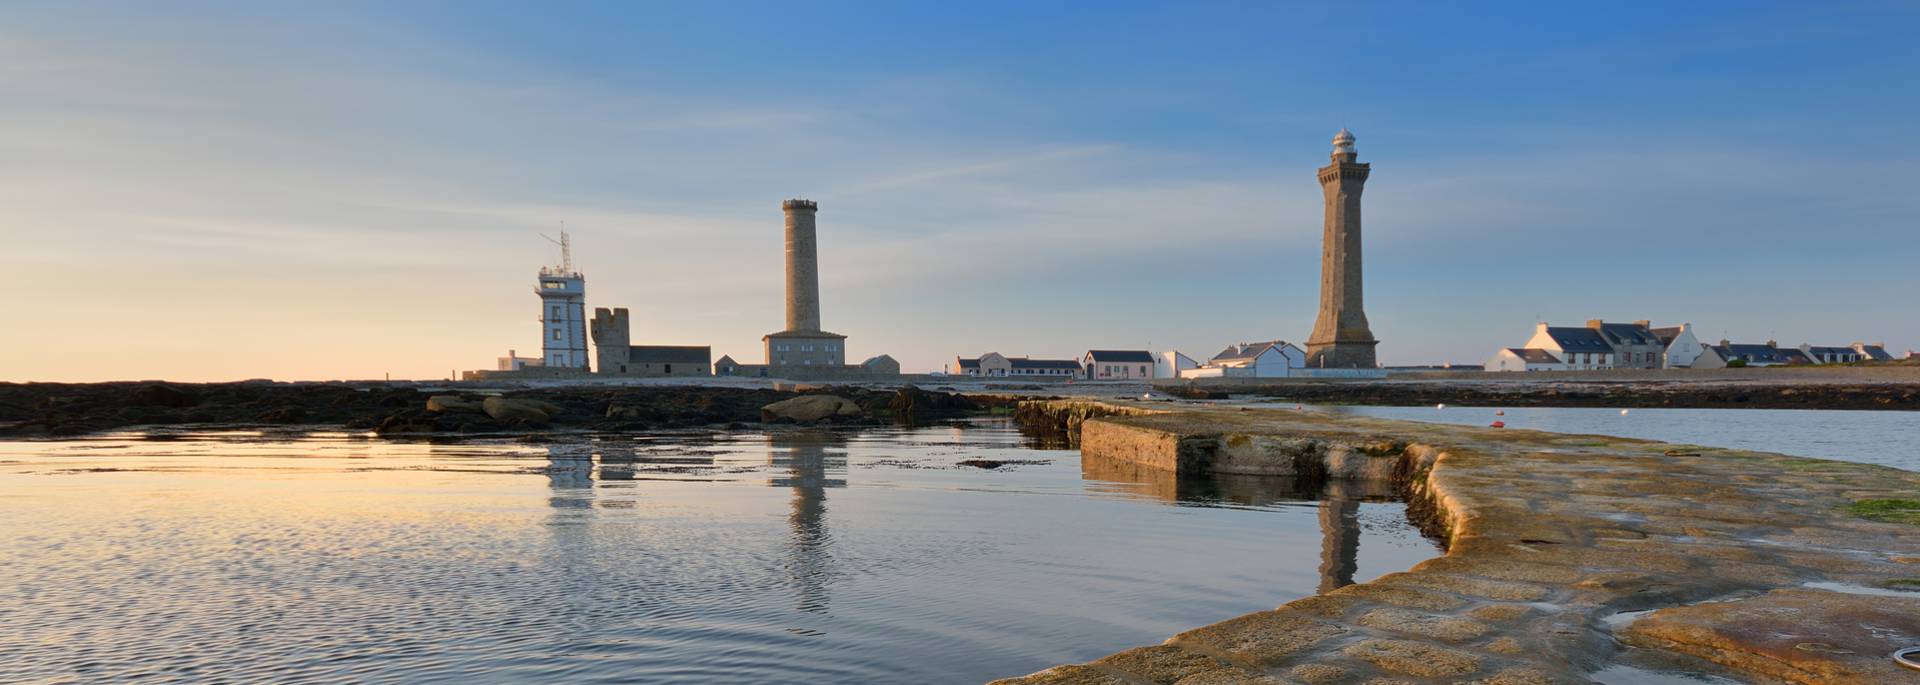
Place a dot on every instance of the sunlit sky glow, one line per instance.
(339, 190)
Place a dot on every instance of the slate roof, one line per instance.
(1024, 363)
(1628, 334)
(973, 363)
(1758, 354)
(1817, 350)
(1876, 353)
(1534, 355)
(1142, 356)
(1793, 355)
(1580, 339)
(1666, 335)
(1245, 351)
(669, 354)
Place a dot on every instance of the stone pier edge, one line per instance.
(1552, 540)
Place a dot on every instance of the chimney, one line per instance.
(1771, 343)
(1724, 342)
(1594, 323)
(1541, 327)
(1643, 323)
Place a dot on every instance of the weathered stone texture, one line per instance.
(1546, 550)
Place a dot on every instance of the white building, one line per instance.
(514, 362)
(1580, 349)
(563, 312)
(1172, 364)
(1682, 347)
(1115, 365)
(1525, 359)
(1271, 359)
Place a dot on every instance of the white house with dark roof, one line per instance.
(1820, 354)
(1270, 359)
(1525, 359)
(1113, 365)
(1580, 349)
(1728, 353)
(1682, 346)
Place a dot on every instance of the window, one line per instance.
(551, 285)
(556, 332)
(556, 312)
(668, 368)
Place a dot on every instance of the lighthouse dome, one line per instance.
(1343, 141)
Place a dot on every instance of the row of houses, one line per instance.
(1269, 359)
(1094, 365)
(1601, 345)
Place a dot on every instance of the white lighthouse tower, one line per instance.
(563, 311)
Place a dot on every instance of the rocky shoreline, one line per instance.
(1568, 556)
(67, 409)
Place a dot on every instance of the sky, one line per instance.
(220, 191)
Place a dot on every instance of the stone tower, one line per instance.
(612, 336)
(803, 266)
(1341, 338)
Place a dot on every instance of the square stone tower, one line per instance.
(1341, 338)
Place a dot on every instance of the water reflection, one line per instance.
(809, 458)
(1338, 502)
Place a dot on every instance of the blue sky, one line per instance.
(324, 190)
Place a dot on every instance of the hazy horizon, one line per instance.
(221, 191)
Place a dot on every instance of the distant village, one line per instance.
(1340, 346)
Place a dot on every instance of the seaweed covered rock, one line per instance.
(810, 409)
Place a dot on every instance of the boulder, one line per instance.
(516, 411)
(453, 403)
(809, 408)
(910, 404)
(162, 395)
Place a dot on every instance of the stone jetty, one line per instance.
(1570, 559)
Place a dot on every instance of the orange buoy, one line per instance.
(1499, 424)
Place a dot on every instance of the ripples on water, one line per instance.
(792, 557)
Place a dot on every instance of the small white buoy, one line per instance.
(1501, 412)
(1441, 405)
(1146, 395)
(1623, 412)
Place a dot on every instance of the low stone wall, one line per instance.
(1562, 551)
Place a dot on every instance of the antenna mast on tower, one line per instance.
(566, 249)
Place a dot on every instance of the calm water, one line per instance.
(799, 557)
(1888, 438)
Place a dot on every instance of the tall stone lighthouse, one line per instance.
(1341, 338)
(802, 347)
(803, 266)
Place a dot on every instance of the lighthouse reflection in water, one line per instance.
(946, 554)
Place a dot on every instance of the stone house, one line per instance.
(1106, 365)
(1524, 359)
(804, 349)
(616, 356)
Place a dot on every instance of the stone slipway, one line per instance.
(1567, 556)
